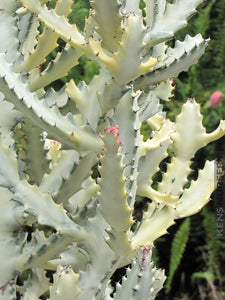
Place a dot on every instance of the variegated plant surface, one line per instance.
(57, 215)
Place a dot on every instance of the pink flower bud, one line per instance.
(145, 255)
(215, 98)
(4, 287)
(114, 131)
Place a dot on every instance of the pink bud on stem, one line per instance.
(215, 98)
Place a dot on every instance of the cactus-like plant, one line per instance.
(56, 214)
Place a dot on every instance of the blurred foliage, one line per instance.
(177, 249)
(208, 75)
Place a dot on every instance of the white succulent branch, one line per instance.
(73, 161)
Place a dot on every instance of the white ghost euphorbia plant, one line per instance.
(57, 215)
